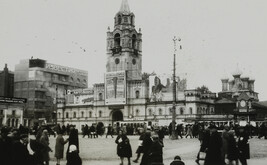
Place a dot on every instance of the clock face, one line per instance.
(243, 103)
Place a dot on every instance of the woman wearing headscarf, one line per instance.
(124, 149)
(44, 140)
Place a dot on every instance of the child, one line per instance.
(73, 157)
(177, 161)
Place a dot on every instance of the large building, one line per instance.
(6, 82)
(128, 95)
(41, 83)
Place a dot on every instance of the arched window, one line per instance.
(150, 112)
(137, 94)
(74, 114)
(137, 112)
(100, 113)
(90, 114)
(191, 110)
(198, 110)
(67, 115)
(181, 111)
(82, 114)
(100, 95)
(160, 111)
(119, 19)
(59, 115)
(117, 40)
(133, 41)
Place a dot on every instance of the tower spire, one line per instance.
(125, 7)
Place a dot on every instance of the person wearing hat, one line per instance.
(177, 161)
(146, 147)
(124, 149)
(243, 146)
(140, 148)
(213, 150)
(45, 141)
(59, 147)
(155, 151)
(73, 157)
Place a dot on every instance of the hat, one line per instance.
(22, 136)
(72, 148)
(177, 157)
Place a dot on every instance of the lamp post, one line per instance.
(174, 89)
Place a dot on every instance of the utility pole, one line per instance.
(174, 90)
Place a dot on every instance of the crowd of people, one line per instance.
(219, 143)
(17, 148)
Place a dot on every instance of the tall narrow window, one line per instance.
(74, 114)
(133, 41)
(59, 115)
(100, 113)
(100, 95)
(117, 40)
(181, 111)
(90, 114)
(82, 114)
(137, 94)
(67, 115)
(137, 112)
(191, 110)
(150, 112)
(160, 111)
(119, 19)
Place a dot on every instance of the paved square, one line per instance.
(102, 151)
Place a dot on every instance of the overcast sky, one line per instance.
(216, 36)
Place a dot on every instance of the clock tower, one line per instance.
(124, 45)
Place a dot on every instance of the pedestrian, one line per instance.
(177, 161)
(243, 146)
(203, 145)
(213, 150)
(73, 139)
(110, 131)
(44, 140)
(73, 157)
(155, 151)
(140, 148)
(59, 147)
(147, 142)
(232, 153)
(124, 149)
(225, 137)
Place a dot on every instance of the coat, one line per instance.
(213, 155)
(232, 149)
(124, 147)
(45, 142)
(155, 153)
(177, 162)
(73, 158)
(59, 148)
(243, 146)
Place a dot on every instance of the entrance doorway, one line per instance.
(117, 116)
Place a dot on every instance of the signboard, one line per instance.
(243, 110)
(12, 100)
(115, 88)
(65, 69)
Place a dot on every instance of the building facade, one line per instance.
(6, 82)
(43, 84)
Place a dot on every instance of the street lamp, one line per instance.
(174, 89)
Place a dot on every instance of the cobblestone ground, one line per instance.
(102, 151)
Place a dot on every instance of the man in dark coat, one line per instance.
(146, 147)
(5, 146)
(155, 151)
(213, 154)
(243, 146)
(124, 149)
(110, 131)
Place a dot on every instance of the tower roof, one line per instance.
(125, 9)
